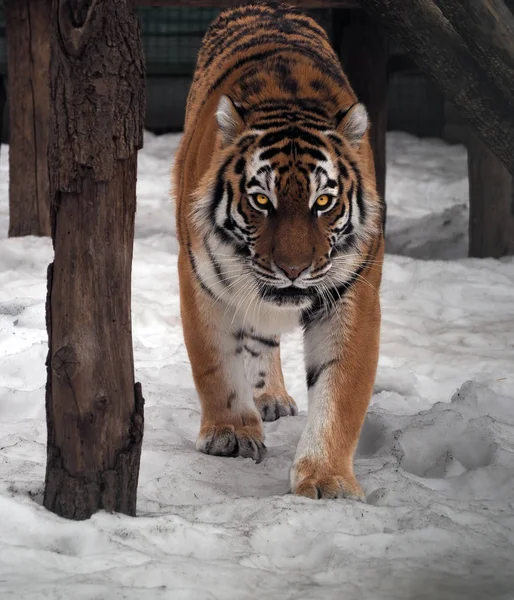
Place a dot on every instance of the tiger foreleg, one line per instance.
(264, 371)
(230, 422)
(341, 359)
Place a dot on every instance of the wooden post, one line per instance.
(28, 56)
(94, 410)
(362, 48)
(491, 203)
(3, 98)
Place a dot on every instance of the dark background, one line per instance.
(172, 36)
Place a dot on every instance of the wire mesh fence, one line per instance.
(171, 39)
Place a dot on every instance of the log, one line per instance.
(421, 27)
(28, 57)
(491, 203)
(487, 27)
(227, 3)
(94, 410)
(362, 48)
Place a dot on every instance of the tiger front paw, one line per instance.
(322, 482)
(229, 440)
(273, 406)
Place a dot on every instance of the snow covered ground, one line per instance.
(436, 458)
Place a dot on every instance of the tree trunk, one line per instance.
(460, 71)
(28, 57)
(362, 48)
(491, 203)
(94, 410)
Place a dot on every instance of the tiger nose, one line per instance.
(292, 271)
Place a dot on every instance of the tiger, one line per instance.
(279, 226)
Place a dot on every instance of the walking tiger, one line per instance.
(279, 226)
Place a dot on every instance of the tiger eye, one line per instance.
(262, 199)
(322, 200)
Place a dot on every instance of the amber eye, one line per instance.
(322, 201)
(262, 200)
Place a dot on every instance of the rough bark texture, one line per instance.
(225, 3)
(459, 70)
(487, 27)
(28, 57)
(362, 47)
(94, 410)
(491, 203)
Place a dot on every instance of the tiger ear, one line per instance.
(354, 124)
(230, 120)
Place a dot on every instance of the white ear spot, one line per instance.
(229, 120)
(354, 124)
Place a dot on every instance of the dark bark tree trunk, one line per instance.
(460, 70)
(94, 410)
(28, 57)
(491, 203)
(362, 48)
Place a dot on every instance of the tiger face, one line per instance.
(289, 204)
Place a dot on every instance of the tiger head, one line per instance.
(288, 200)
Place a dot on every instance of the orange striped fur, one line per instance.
(279, 226)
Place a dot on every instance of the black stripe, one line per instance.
(312, 152)
(219, 189)
(246, 141)
(331, 70)
(340, 215)
(320, 306)
(291, 111)
(240, 166)
(348, 226)
(343, 170)
(314, 373)
(272, 343)
(233, 25)
(292, 133)
(215, 264)
(253, 181)
(360, 198)
(252, 352)
(271, 124)
(267, 154)
(197, 276)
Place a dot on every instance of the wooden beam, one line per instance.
(228, 3)
(362, 48)
(28, 59)
(491, 203)
(440, 51)
(510, 5)
(487, 27)
(94, 410)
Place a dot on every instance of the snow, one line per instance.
(435, 457)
